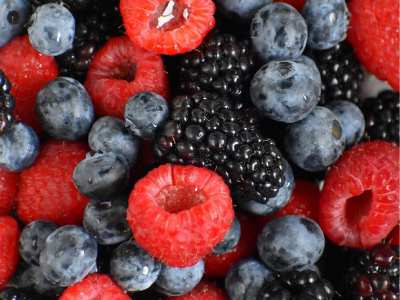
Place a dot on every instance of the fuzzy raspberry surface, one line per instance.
(8, 190)
(205, 290)
(47, 190)
(95, 287)
(374, 34)
(9, 254)
(28, 71)
(179, 213)
(120, 70)
(167, 27)
(359, 202)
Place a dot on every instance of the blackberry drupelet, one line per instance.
(341, 73)
(297, 285)
(11, 293)
(373, 274)
(221, 65)
(382, 116)
(7, 103)
(207, 131)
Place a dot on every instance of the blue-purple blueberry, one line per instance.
(240, 10)
(230, 240)
(14, 14)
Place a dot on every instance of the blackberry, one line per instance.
(11, 293)
(373, 274)
(207, 131)
(341, 73)
(7, 103)
(221, 65)
(382, 116)
(297, 285)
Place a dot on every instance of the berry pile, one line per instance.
(199, 149)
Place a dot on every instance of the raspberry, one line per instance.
(120, 70)
(9, 255)
(47, 190)
(394, 236)
(179, 213)
(95, 287)
(28, 71)
(205, 290)
(374, 34)
(8, 190)
(359, 202)
(218, 265)
(297, 4)
(167, 27)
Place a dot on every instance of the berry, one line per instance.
(230, 240)
(374, 34)
(194, 202)
(297, 4)
(285, 91)
(278, 31)
(28, 71)
(9, 255)
(145, 113)
(167, 27)
(64, 109)
(7, 103)
(360, 199)
(205, 290)
(118, 71)
(46, 189)
(95, 286)
(8, 190)
(394, 236)
(12, 293)
(240, 10)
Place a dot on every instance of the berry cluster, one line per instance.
(7, 103)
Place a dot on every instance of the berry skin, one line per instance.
(240, 9)
(179, 213)
(205, 290)
(47, 190)
(95, 287)
(167, 27)
(9, 254)
(297, 4)
(394, 236)
(28, 71)
(374, 34)
(360, 199)
(8, 190)
(120, 70)
(12, 293)
(230, 239)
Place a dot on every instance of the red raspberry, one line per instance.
(28, 70)
(297, 4)
(360, 199)
(9, 254)
(394, 236)
(95, 287)
(47, 190)
(218, 265)
(8, 190)
(167, 27)
(120, 70)
(205, 290)
(179, 213)
(374, 34)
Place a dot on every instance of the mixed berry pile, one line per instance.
(199, 149)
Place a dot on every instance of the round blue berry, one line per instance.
(240, 10)
(52, 29)
(230, 240)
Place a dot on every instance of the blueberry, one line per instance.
(310, 63)
(351, 118)
(240, 10)
(133, 268)
(315, 142)
(101, 175)
(245, 279)
(285, 91)
(327, 22)
(64, 109)
(108, 134)
(52, 29)
(13, 16)
(274, 204)
(230, 240)
(178, 281)
(290, 242)
(19, 147)
(145, 113)
(32, 239)
(106, 220)
(278, 31)
(68, 256)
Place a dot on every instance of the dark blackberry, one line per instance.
(7, 103)
(207, 131)
(297, 285)
(382, 116)
(341, 73)
(373, 274)
(11, 293)
(221, 65)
